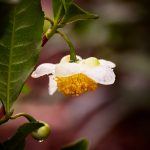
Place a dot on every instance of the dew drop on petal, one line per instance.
(40, 141)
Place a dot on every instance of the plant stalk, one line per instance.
(72, 49)
(27, 116)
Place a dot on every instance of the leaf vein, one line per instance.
(3, 45)
(2, 64)
(22, 45)
(23, 27)
(3, 83)
(22, 10)
(20, 62)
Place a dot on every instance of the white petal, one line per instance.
(101, 74)
(66, 59)
(44, 69)
(52, 85)
(67, 69)
(107, 63)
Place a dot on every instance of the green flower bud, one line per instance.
(42, 133)
(46, 25)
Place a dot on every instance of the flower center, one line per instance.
(75, 84)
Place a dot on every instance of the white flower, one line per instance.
(77, 77)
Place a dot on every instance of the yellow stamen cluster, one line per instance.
(75, 84)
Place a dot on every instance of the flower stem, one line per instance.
(50, 20)
(72, 49)
(49, 34)
(27, 116)
(55, 26)
(6, 117)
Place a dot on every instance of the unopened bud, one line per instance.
(41, 133)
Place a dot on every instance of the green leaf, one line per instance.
(75, 13)
(57, 8)
(66, 4)
(56, 4)
(17, 142)
(66, 11)
(79, 145)
(19, 48)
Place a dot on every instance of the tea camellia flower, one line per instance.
(75, 78)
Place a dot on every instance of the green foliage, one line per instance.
(75, 13)
(17, 142)
(66, 11)
(19, 48)
(21, 28)
(66, 4)
(57, 8)
(79, 145)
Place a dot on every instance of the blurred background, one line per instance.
(115, 117)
